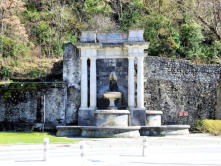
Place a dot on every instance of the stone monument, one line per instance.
(129, 119)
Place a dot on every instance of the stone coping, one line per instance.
(99, 128)
(149, 112)
(142, 44)
(111, 112)
(178, 126)
(110, 31)
(112, 45)
(119, 131)
(171, 127)
(88, 45)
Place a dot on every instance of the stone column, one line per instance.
(93, 84)
(131, 82)
(84, 86)
(140, 83)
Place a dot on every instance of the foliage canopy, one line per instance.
(178, 29)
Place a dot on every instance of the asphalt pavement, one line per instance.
(187, 150)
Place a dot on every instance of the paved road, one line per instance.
(191, 150)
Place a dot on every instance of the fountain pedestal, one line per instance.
(107, 118)
(111, 116)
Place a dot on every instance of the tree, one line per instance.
(14, 38)
(10, 10)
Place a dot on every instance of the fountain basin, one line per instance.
(112, 96)
(104, 118)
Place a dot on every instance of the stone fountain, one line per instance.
(112, 95)
(133, 119)
(112, 116)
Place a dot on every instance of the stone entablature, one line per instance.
(95, 46)
(133, 35)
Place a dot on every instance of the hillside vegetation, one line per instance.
(34, 31)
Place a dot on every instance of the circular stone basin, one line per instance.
(112, 96)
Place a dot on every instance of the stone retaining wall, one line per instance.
(177, 85)
(22, 106)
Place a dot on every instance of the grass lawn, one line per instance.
(31, 137)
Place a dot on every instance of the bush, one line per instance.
(191, 41)
(96, 6)
(5, 73)
(164, 40)
(9, 46)
(34, 73)
(131, 16)
(209, 126)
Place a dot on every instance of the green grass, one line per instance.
(32, 137)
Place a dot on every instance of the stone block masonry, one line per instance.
(175, 85)
(104, 68)
(22, 106)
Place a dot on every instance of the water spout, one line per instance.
(113, 82)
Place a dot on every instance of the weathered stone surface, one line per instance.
(2, 109)
(71, 74)
(68, 131)
(151, 130)
(111, 118)
(138, 117)
(164, 130)
(71, 66)
(88, 37)
(20, 106)
(175, 130)
(218, 102)
(135, 35)
(112, 37)
(23, 105)
(153, 118)
(104, 69)
(173, 83)
(131, 131)
(85, 117)
(103, 132)
(55, 113)
(99, 132)
(73, 105)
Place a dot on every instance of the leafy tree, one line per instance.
(191, 40)
(164, 40)
(131, 14)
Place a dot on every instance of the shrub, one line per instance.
(5, 73)
(131, 16)
(191, 41)
(9, 46)
(34, 73)
(164, 40)
(209, 126)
